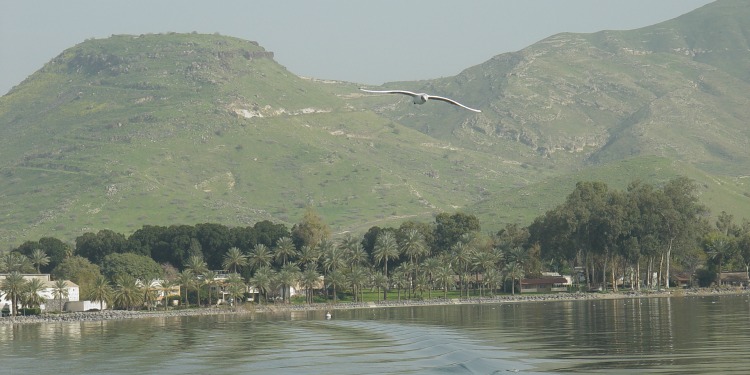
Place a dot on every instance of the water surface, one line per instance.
(686, 335)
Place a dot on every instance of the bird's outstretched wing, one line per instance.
(412, 94)
(452, 102)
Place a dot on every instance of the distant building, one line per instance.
(547, 284)
(47, 293)
(734, 278)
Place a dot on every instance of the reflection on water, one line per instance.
(685, 335)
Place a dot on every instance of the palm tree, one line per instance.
(357, 255)
(101, 291)
(333, 256)
(60, 291)
(430, 267)
(414, 247)
(13, 285)
(166, 286)
(491, 279)
(150, 291)
(444, 276)
(482, 262)
(236, 287)
(31, 290)
(309, 257)
(14, 261)
(461, 254)
(401, 278)
(259, 257)
(39, 258)
(128, 294)
(234, 258)
(288, 277)
(209, 280)
(309, 280)
(199, 266)
(381, 281)
(333, 279)
(513, 271)
(386, 248)
(357, 278)
(421, 283)
(285, 249)
(262, 280)
(186, 279)
(718, 248)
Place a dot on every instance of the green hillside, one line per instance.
(167, 129)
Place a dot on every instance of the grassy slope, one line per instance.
(128, 131)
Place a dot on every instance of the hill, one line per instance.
(188, 128)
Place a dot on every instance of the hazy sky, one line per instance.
(369, 42)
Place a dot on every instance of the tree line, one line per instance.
(599, 235)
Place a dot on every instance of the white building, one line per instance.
(47, 293)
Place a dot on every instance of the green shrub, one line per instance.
(30, 311)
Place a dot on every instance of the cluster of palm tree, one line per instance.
(403, 262)
(26, 293)
(21, 291)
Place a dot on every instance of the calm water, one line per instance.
(685, 335)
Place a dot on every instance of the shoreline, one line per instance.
(107, 315)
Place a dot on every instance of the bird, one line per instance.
(420, 98)
(328, 315)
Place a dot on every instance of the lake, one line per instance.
(685, 335)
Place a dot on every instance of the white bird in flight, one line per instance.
(421, 98)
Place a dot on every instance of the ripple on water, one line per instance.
(383, 348)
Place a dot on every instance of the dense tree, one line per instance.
(369, 239)
(269, 233)
(609, 234)
(95, 247)
(214, 241)
(80, 271)
(450, 228)
(139, 267)
(244, 238)
(55, 249)
(174, 245)
(310, 230)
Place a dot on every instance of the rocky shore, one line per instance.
(274, 308)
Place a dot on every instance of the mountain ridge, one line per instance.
(173, 128)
